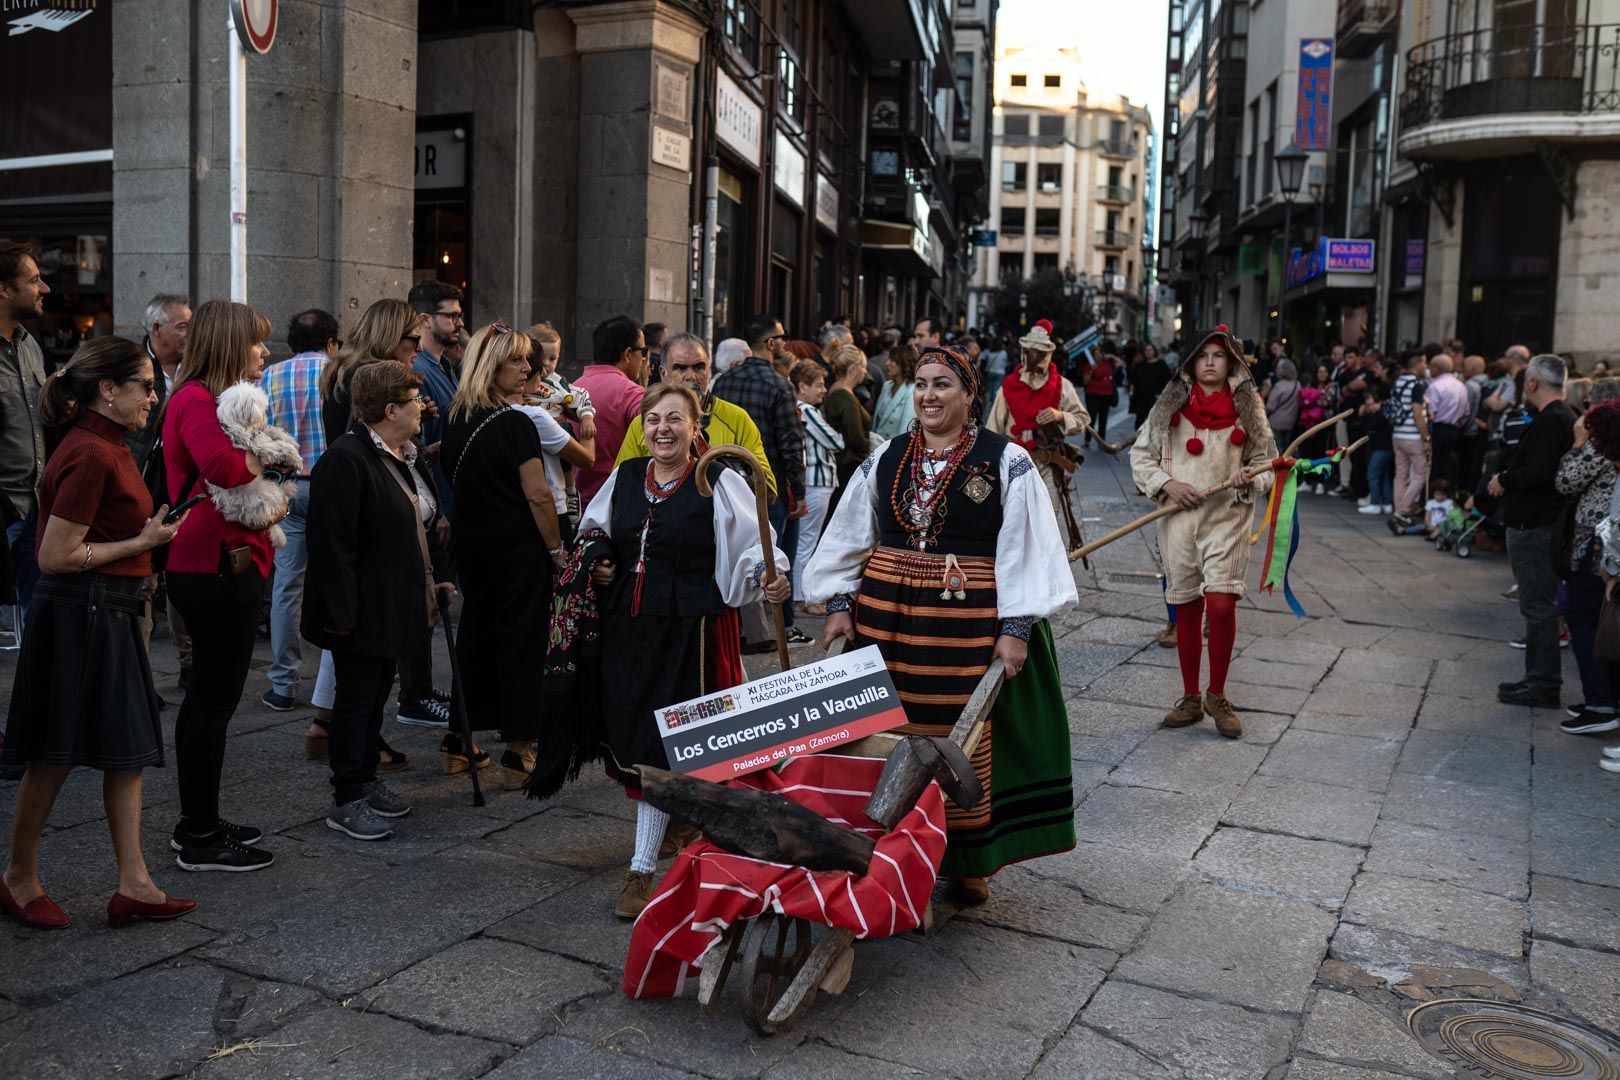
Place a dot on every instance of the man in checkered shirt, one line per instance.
(769, 400)
(294, 389)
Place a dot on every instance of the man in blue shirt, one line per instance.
(439, 303)
(294, 389)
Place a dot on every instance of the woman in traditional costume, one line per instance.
(1208, 425)
(675, 567)
(944, 553)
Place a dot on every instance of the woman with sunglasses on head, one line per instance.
(216, 573)
(506, 540)
(387, 330)
(83, 694)
(376, 573)
(944, 553)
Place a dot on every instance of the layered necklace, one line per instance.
(918, 496)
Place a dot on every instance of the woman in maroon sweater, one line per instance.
(83, 694)
(216, 578)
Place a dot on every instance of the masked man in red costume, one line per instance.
(1038, 409)
(1207, 427)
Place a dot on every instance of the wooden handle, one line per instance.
(762, 512)
(1165, 511)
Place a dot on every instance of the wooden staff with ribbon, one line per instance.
(767, 548)
(1171, 508)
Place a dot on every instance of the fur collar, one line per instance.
(1245, 396)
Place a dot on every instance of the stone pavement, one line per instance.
(1383, 834)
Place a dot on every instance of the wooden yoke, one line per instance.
(1165, 511)
(761, 508)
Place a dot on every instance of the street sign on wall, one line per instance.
(1313, 108)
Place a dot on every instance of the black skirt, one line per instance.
(84, 694)
(501, 641)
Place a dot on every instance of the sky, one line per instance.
(1121, 42)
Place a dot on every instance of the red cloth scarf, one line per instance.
(1210, 412)
(1025, 403)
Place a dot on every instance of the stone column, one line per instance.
(331, 133)
(637, 96)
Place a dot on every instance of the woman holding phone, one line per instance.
(83, 694)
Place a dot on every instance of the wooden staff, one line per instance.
(1108, 447)
(767, 548)
(1171, 508)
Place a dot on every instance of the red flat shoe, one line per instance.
(42, 913)
(121, 910)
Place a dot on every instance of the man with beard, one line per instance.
(1039, 409)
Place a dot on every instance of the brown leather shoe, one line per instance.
(637, 890)
(1225, 717)
(1188, 710)
(1167, 640)
(968, 890)
(676, 837)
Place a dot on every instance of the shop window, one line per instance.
(443, 208)
(729, 254)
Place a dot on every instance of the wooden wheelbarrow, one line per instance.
(783, 968)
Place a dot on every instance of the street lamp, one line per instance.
(1290, 174)
(1198, 227)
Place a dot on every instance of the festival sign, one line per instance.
(820, 706)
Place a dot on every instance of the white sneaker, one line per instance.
(1371, 508)
(1364, 500)
(1386, 509)
(1321, 489)
(1612, 752)
(1609, 765)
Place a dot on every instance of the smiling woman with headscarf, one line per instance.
(944, 553)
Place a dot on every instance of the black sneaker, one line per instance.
(795, 636)
(427, 712)
(1575, 709)
(1537, 697)
(441, 696)
(246, 835)
(219, 852)
(1590, 722)
(277, 702)
(1511, 687)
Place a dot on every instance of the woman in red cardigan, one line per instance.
(216, 575)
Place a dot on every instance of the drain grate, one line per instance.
(1510, 1042)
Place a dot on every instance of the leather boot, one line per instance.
(1188, 710)
(1225, 717)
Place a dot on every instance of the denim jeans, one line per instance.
(1598, 678)
(1381, 477)
(1531, 553)
(287, 598)
(787, 539)
(24, 565)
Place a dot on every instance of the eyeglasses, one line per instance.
(149, 385)
(642, 349)
(414, 399)
(453, 316)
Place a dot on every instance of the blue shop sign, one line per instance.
(1329, 256)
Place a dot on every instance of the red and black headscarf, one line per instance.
(957, 360)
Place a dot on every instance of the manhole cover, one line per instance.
(1511, 1042)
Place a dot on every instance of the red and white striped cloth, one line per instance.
(708, 889)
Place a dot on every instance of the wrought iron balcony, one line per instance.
(1363, 24)
(1116, 148)
(1567, 68)
(1115, 193)
(1113, 238)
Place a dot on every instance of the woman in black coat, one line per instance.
(374, 568)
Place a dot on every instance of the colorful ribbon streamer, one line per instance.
(1281, 517)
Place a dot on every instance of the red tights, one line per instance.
(1222, 611)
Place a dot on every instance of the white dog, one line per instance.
(244, 413)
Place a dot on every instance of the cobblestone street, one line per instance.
(1383, 834)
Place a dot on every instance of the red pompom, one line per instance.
(1195, 446)
(1175, 419)
(1223, 328)
(1044, 324)
(1237, 437)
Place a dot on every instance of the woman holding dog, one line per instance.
(83, 694)
(216, 575)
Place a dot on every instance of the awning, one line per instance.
(903, 248)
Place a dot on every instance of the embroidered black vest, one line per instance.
(972, 522)
(680, 545)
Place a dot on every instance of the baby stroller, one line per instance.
(1457, 531)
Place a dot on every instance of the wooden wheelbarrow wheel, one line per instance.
(782, 985)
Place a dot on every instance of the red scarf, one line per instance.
(1210, 412)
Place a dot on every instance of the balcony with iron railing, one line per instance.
(1483, 92)
(1113, 238)
(1363, 24)
(1115, 193)
(1115, 148)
